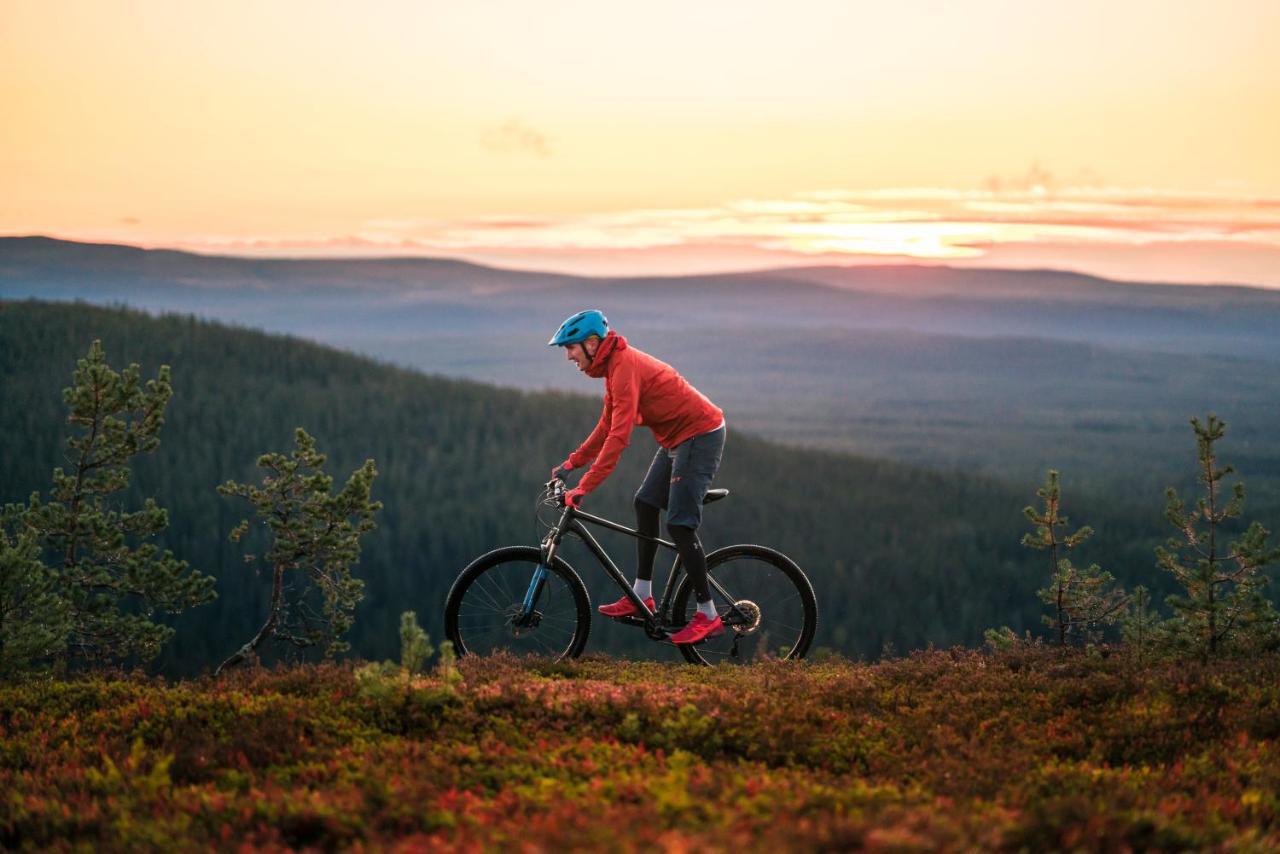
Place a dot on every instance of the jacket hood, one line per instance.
(612, 343)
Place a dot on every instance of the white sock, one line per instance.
(643, 587)
(707, 609)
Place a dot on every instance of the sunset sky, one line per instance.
(1133, 139)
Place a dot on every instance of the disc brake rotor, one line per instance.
(517, 627)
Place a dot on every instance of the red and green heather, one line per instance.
(1026, 749)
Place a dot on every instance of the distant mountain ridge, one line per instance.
(924, 281)
(36, 256)
(28, 255)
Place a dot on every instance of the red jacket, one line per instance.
(639, 389)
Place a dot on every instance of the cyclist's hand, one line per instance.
(573, 498)
(561, 470)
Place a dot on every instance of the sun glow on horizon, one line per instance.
(1189, 237)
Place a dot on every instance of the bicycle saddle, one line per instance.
(715, 495)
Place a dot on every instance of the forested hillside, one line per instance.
(1003, 372)
(897, 555)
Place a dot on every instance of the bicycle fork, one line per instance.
(536, 583)
(538, 580)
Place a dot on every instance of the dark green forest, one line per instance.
(900, 557)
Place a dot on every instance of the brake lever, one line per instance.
(555, 490)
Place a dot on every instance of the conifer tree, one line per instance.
(1223, 603)
(33, 617)
(111, 587)
(1083, 600)
(314, 542)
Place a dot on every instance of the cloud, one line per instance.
(515, 137)
(501, 223)
(393, 224)
(1036, 179)
(129, 220)
(891, 193)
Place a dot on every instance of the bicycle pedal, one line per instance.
(630, 620)
(695, 643)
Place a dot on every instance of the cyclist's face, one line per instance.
(574, 353)
(581, 354)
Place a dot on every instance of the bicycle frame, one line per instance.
(571, 522)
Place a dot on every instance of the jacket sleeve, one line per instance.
(624, 405)
(588, 450)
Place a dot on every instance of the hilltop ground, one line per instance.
(1030, 749)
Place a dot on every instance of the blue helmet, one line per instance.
(579, 328)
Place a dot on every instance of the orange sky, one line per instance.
(1134, 139)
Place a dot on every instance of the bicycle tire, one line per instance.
(478, 610)
(787, 599)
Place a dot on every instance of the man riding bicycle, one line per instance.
(690, 430)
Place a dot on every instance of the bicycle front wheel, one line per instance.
(502, 602)
(766, 603)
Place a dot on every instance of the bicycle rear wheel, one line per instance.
(766, 603)
(485, 610)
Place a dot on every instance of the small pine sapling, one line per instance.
(1140, 626)
(314, 542)
(1223, 603)
(391, 684)
(447, 666)
(415, 646)
(1083, 600)
(1000, 639)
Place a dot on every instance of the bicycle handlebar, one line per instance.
(555, 491)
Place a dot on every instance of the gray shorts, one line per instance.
(679, 478)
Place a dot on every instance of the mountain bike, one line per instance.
(528, 599)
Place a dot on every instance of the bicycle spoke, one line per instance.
(775, 599)
(481, 634)
(499, 594)
(487, 598)
(545, 645)
(561, 620)
(495, 603)
(794, 629)
(481, 608)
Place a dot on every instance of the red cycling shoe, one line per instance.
(699, 629)
(624, 608)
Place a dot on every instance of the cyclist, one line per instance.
(690, 429)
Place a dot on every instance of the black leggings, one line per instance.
(687, 543)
